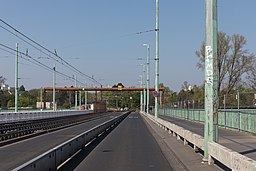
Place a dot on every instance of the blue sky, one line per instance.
(98, 38)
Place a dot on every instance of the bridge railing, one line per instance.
(238, 119)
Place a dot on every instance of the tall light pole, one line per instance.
(53, 91)
(144, 88)
(17, 77)
(211, 76)
(157, 58)
(141, 96)
(148, 73)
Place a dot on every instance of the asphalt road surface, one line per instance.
(129, 147)
(12, 156)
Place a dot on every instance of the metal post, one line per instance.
(225, 114)
(80, 100)
(144, 88)
(54, 90)
(148, 74)
(211, 76)
(141, 96)
(41, 99)
(17, 77)
(157, 58)
(238, 108)
(75, 94)
(85, 97)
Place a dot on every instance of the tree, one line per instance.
(22, 88)
(234, 61)
(2, 80)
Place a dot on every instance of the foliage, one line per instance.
(234, 61)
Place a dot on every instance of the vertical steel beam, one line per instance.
(211, 76)
(157, 58)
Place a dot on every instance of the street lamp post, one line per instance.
(157, 58)
(141, 96)
(144, 88)
(148, 73)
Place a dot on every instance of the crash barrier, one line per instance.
(227, 157)
(21, 116)
(53, 158)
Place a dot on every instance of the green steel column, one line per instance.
(157, 58)
(211, 76)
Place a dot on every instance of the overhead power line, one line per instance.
(34, 61)
(49, 51)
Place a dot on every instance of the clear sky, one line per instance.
(98, 38)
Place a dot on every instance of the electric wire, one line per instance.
(49, 51)
(36, 62)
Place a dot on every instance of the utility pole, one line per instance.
(157, 59)
(148, 73)
(85, 97)
(75, 94)
(144, 88)
(54, 88)
(141, 96)
(17, 77)
(211, 76)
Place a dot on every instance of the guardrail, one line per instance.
(229, 158)
(21, 116)
(51, 159)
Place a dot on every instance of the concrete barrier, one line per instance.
(227, 157)
(13, 117)
(51, 159)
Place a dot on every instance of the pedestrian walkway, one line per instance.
(241, 142)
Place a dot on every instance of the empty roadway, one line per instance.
(18, 153)
(130, 146)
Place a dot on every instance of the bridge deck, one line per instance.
(136, 145)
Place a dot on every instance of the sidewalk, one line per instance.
(241, 142)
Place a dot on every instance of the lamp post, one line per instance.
(148, 73)
(141, 96)
(157, 59)
(144, 88)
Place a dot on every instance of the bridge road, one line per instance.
(14, 155)
(241, 142)
(132, 147)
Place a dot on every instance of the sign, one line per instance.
(155, 94)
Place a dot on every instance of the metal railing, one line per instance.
(238, 119)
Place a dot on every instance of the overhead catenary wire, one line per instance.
(34, 61)
(49, 51)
